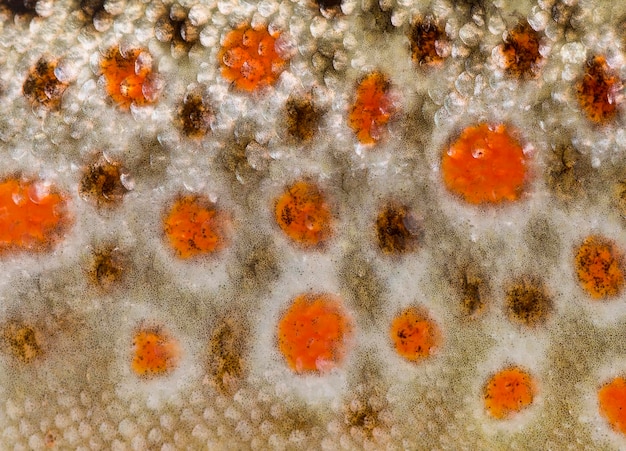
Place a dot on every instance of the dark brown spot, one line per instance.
(428, 41)
(397, 230)
(521, 51)
(226, 350)
(22, 341)
(21, 7)
(471, 299)
(195, 114)
(42, 87)
(302, 118)
(176, 28)
(329, 5)
(102, 183)
(107, 267)
(562, 13)
(599, 91)
(568, 171)
(527, 302)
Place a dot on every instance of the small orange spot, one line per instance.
(33, 216)
(155, 353)
(129, 78)
(612, 400)
(599, 91)
(50, 439)
(485, 165)
(303, 214)
(372, 108)
(508, 392)
(414, 335)
(194, 227)
(599, 268)
(521, 51)
(249, 59)
(313, 333)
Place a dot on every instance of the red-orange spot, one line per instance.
(599, 91)
(599, 268)
(155, 353)
(414, 335)
(313, 333)
(372, 108)
(508, 392)
(249, 59)
(129, 78)
(612, 400)
(33, 216)
(194, 226)
(485, 165)
(303, 214)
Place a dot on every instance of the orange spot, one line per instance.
(508, 392)
(485, 165)
(414, 335)
(372, 108)
(33, 216)
(303, 214)
(599, 268)
(313, 333)
(194, 226)
(129, 78)
(521, 51)
(612, 400)
(155, 353)
(249, 59)
(599, 91)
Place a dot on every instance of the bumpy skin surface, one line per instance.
(357, 148)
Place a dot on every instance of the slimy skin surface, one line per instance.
(312, 225)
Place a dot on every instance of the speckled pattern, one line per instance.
(68, 314)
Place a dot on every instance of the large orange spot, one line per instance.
(612, 400)
(485, 165)
(313, 333)
(33, 216)
(599, 91)
(303, 214)
(372, 108)
(414, 335)
(155, 353)
(598, 268)
(249, 59)
(194, 226)
(508, 392)
(129, 77)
